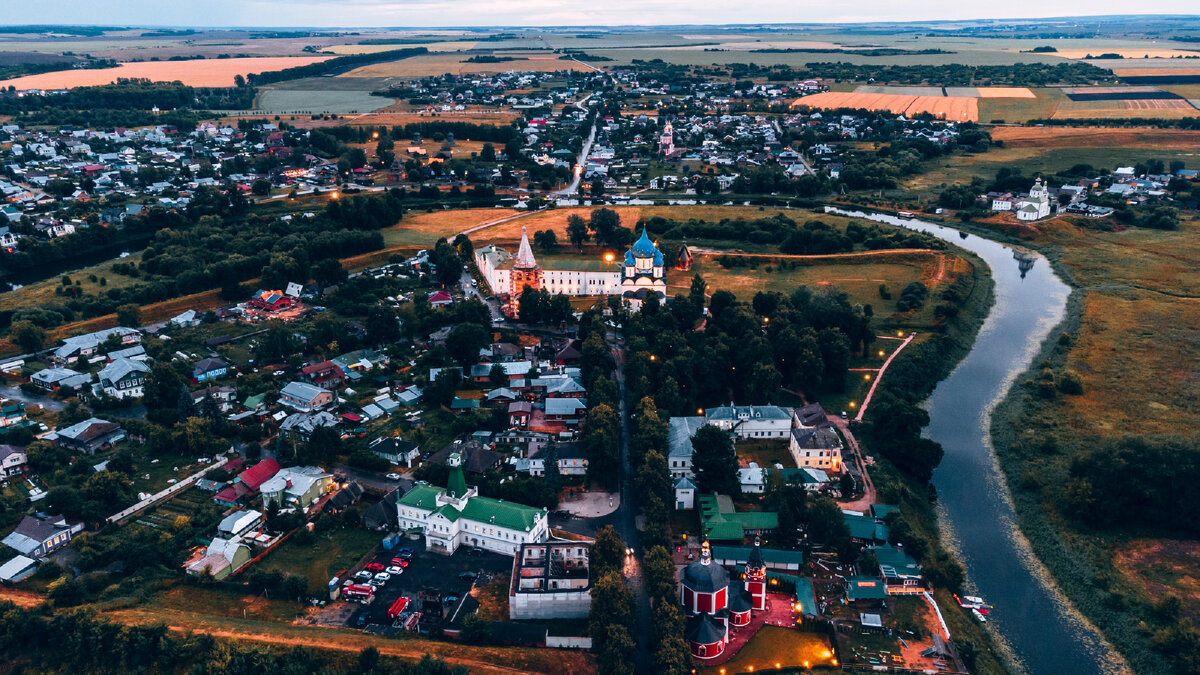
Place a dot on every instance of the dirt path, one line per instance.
(868, 498)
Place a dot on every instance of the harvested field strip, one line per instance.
(1125, 113)
(197, 73)
(1128, 53)
(1096, 137)
(957, 108)
(1117, 94)
(901, 91)
(1005, 92)
(158, 311)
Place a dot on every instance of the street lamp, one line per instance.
(867, 376)
(608, 257)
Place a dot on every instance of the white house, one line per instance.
(685, 494)
(457, 516)
(124, 378)
(752, 421)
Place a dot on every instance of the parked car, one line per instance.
(405, 552)
(393, 569)
(467, 576)
(393, 476)
(376, 583)
(362, 575)
(399, 562)
(376, 567)
(384, 577)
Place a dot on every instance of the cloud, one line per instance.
(476, 13)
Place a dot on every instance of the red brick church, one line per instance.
(713, 603)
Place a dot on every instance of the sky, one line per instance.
(424, 13)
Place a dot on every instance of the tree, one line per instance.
(607, 553)
(612, 648)
(324, 445)
(475, 629)
(487, 153)
(577, 230)
(27, 335)
(129, 315)
(553, 473)
(601, 442)
(464, 342)
(649, 431)
(715, 461)
(497, 375)
(654, 478)
(825, 522)
(546, 240)
(604, 223)
(658, 569)
(368, 659)
(382, 325)
(261, 187)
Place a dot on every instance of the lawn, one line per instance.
(329, 553)
(42, 292)
(787, 647)
(765, 453)
(424, 229)
(493, 600)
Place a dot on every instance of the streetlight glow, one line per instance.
(867, 376)
(608, 257)
(881, 352)
(851, 404)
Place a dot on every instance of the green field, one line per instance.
(788, 647)
(328, 554)
(330, 101)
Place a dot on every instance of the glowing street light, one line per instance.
(851, 404)
(881, 352)
(867, 376)
(333, 195)
(608, 257)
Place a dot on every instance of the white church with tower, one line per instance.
(640, 273)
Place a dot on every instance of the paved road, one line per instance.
(31, 399)
(371, 479)
(627, 527)
(868, 497)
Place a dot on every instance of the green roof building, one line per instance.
(720, 520)
(457, 516)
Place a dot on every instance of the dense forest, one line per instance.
(333, 66)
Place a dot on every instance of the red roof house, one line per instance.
(258, 474)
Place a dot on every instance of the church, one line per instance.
(640, 273)
(713, 602)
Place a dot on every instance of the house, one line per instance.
(87, 345)
(90, 435)
(817, 447)
(482, 372)
(518, 414)
(750, 421)
(865, 529)
(475, 457)
(12, 413)
(325, 374)
(271, 301)
(345, 498)
(865, 591)
(395, 450)
(721, 521)
(463, 405)
(301, 425)
(247, 483)
(685, 494)
(572, 460)
(222, 558)
(18, 569)
(297, 486)
(550, 581)
(238, 523)
(53, 379)
(209, 368)
(305, 397)
(457, 516)
(753, 479)
(224, 397)
(184, 320)
(565, 410)
(12, 460)
(124, 378)
(679, 445)
(901, 574)
(39, 535)
(440, 299)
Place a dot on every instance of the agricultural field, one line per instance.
(426, 228)
(281, 101)
(447, 46)
(441, 63)
(196, 73)
(87, 278)
(955, 108)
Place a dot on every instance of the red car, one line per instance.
(376, 567)
(400, 562)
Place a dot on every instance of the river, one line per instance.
(1032, 619)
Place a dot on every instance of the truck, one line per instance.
(397, 608)
(359, 593)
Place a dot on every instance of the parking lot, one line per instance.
(430, 571)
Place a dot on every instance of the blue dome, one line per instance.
(644, 248)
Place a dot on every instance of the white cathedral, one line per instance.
(642, 272)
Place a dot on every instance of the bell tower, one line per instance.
(756, 577)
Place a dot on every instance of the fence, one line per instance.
(121, 516)
(568, 642)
